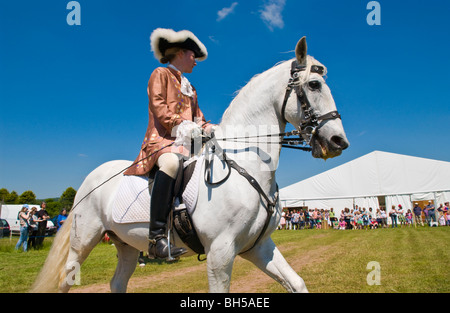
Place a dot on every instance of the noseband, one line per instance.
(311, 122)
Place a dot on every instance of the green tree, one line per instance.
(67, 198)
(53, 207)
(4, 194)
(13, 198)
(28, 197)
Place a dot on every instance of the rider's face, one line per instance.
(187, 61)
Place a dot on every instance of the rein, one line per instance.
(286, 142)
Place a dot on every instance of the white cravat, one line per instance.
(186, 88)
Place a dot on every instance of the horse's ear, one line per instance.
(301, 51)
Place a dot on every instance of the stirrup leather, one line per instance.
(153, 241)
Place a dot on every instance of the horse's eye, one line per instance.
(314, 85)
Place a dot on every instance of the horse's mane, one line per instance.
(241, 95)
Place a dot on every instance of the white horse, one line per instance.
(228, 217)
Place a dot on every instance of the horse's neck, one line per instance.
(257, 102)
(256, 112)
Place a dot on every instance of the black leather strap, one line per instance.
(183, 225)
(318, 69)
(329, 116)
(251, 180)
(286, 98)
(211, 149)
(270, 207)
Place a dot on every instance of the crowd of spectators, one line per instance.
(33, 226)
(362, 218)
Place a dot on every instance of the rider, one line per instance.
(172, 100)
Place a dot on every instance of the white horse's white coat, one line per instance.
(228, 217)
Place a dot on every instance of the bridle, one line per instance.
(309, 126)
(311, 121)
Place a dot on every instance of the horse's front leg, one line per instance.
(269, 259)
(220, 259)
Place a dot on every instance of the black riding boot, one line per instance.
(160, 206)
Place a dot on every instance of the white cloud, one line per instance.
(271, 13)
(213, 39)
(226, 11)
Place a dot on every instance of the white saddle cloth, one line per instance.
(131, 203)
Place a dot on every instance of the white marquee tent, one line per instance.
(376, 177)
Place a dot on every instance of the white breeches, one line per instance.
(169, 164)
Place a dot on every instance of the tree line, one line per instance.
(54, 205)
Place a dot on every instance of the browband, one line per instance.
(314, 69)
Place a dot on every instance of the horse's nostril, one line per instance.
(339, 142)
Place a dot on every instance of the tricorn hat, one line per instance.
(162, 39)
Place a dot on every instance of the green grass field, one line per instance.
(410, 260)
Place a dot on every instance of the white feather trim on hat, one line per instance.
(163, 38)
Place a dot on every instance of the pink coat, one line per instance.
(167, 108)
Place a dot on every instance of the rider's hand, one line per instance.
(209, 128)
(196, 133)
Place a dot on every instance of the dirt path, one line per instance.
(137, 283)
(253, 281)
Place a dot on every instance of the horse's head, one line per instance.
(313, 111)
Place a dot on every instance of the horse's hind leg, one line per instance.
(80, 248)
(268, 258)
(128, 257)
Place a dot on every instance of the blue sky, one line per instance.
(74, 97)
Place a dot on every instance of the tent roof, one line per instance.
(375, 174)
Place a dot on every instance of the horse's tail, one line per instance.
(53, 272)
